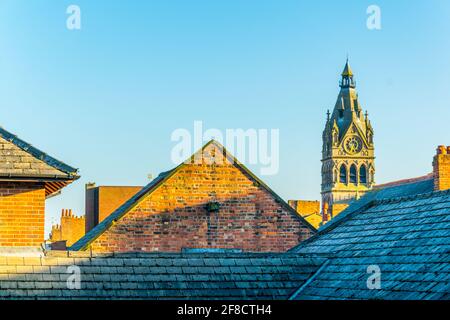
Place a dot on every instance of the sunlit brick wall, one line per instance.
(22, 207)
(441, 168)
(103, 200)
(70, 229)
(175, 216)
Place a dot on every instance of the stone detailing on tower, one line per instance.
(441, 168)
(70, 230)
(348, 169)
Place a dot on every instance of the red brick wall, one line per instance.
(71, 228)
(22, 207)
(441, 168)
(103, 200)
(112, 197)
(174, 216)
(305, 207)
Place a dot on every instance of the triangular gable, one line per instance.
(133, 202)
(359, 132)
(21, 161)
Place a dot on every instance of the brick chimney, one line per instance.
(441, 168)
(325, 212)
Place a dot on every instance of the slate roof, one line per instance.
(396, 189)
(408, 238)
(157, 276)
(21, 159)
(93, 234)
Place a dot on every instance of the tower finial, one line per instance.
(347, 76)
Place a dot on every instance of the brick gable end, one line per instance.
(175, 215)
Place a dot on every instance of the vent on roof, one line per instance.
(213, 207)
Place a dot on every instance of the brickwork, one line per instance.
(441, 168)
(71, 228)
(241, 215)
(310, 210)
(305, 207)
(101, 201)
(22, 207)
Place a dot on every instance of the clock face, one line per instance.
(353, 145)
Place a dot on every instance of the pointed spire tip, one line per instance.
(347, 70)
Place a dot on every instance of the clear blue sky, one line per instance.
(106, 98)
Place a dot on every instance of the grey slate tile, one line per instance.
(408, 238)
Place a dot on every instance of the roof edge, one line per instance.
(310, 279)
(426, 195)
(38, 154)
(343, 216)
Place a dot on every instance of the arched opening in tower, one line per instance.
(343, 174)
(353, 178)
(363, 174)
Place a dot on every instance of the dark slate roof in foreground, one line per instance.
(407, 189)
(21, 159)
(157, 276)
(408, 238)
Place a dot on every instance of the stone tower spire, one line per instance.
(348, 151)
(347, 77)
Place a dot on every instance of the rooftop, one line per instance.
(156, 276)
(20, 161)
(407, 238)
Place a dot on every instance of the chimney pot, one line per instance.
(442, 150)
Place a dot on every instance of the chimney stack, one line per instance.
(441, 168)
(325, 212)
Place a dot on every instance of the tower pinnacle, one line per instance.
(347, 77)
(348, 155)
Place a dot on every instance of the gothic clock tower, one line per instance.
(348, 151)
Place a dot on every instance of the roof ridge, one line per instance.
(355, 207)
(405, 181)
(310, 279)
(432, 194)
